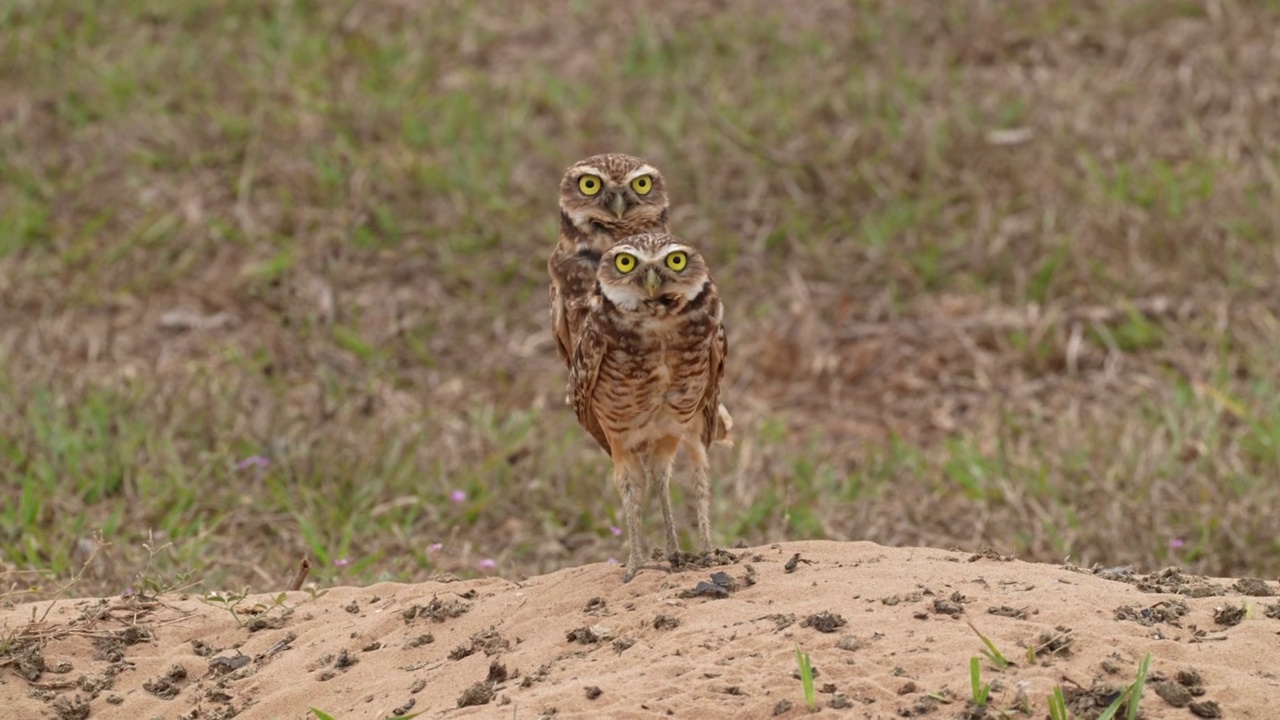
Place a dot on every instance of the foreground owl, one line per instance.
(602, 200)
(645, 374)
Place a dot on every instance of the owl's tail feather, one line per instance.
(723, 426)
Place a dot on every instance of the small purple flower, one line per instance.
(341, 562)
(253, 461)
(1175, 544)
(488, 564)
(458, 496)
(617, 531)
(435, 547)
(612, 561)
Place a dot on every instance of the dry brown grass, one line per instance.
(995, 274)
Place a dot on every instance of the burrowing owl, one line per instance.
(602, 200)
(645, 374)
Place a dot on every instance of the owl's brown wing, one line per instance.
(573, 275)
(588, 352)
(559, 313)
(715, 416)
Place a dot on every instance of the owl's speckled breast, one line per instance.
(654, 377)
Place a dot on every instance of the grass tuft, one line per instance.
(806, 679)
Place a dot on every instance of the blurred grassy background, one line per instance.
(272, 277)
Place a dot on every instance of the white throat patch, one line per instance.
(625, 296)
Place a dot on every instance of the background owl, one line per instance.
(645, 374)
(602, 200)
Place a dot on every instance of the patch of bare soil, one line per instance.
(885, 629)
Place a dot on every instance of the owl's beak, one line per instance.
(652, 283)
(618, 205)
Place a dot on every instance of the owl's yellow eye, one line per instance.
(625, 263)
(642, 185)
(677, 260)
(589, 184)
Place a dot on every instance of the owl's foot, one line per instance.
(631, 571)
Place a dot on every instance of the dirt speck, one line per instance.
(989, 553)
(1173, 581)
(479, 694)
(593, 692)
(1205, 709)
(945, 606)
(437, 610)
(840, 702)
(1253, 587)
(461, 651)
(665, 622)
(1057, 642)
(168, 685)
(690, 561)
(824, 622)
(582, 635)
(73, 708)
(266, 622)
(345, 660)
(1191, 680)
(848, 643)
(791, 565)
(420, 640)
(1007, 611)
(227, 663)
(30, 663)
(1169, 612)
(1172, 693)
(1229, 616)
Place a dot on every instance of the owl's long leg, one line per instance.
(646, 484)
(628, 478)
(701, 488)
(663, 457)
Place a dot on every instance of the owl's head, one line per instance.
(656, 270)
(620, 194)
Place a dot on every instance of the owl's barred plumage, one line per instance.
(645, 373)
(591, 223)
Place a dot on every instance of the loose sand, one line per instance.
(888, 630)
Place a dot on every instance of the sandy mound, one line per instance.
(885, 627)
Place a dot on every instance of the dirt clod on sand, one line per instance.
(1230, 615)
(1174, 581)
(1169, 611)
(1205, 709)
(824, 622)
(1172, 693)
(1254, 587)
(478, 694)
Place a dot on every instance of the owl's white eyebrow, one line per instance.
(642, 170)
(638, 254)
(589, 170)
